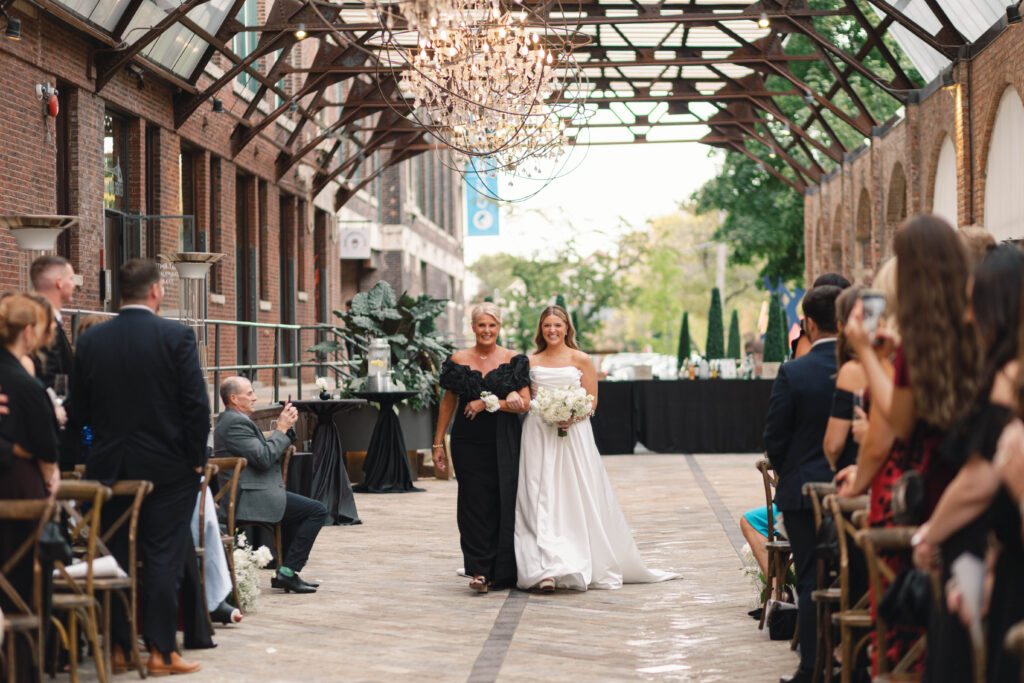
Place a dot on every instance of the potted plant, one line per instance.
(774, 340)
(417, 351)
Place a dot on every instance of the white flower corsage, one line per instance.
(491, 402)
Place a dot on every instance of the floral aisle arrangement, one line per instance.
(561, 404)
(247, 562)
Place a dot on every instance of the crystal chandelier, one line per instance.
(488, 84)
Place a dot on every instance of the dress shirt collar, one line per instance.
(823, 340)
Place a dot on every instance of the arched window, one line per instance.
(836, 250)
(863, 233)
(896, 208)
(1004, 171)
(945, 201)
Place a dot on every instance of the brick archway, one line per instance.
(895, 210)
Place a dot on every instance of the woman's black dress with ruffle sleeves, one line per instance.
(485, 453)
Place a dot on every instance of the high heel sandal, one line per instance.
(480, 583)
(546, 585)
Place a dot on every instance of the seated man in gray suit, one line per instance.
(262, 497)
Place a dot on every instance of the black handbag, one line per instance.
(781, 620)
(54, 543)
(908, 499)
(908, 599)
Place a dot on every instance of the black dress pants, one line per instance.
(303, 519)
(802, 538)
(163, 539)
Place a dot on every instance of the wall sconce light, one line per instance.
(300, 32)
(1012, 14)
(218, 106)
(13, 30)
(763, 21)
(136, 70)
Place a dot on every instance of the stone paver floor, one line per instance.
(391, 607)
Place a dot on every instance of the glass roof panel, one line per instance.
(108, 12)
(147, 15)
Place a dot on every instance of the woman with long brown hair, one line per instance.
(570, 531)
(935, 374)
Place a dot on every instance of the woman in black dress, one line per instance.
(485, 447)
(31, 427)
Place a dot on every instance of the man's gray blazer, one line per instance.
(261, 496)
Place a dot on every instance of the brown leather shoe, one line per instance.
(119, 664)
(157, 667)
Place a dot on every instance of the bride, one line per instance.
(570, 531)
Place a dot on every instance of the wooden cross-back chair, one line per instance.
(25, 621)
(209, 472)
(231, 468)
(75, 598)
(880, 575)
(780, 553)
(854, 615)
(828, 593)
(127, 590)
(273, 528)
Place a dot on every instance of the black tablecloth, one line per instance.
(331, 485)
(300, 474)
(682, 416)
(386, 466)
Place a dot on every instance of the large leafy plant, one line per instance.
(408, 324)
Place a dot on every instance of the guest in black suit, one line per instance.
(793, 434)
(139, 386)
(54, 278)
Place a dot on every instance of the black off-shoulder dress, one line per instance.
(485, 452)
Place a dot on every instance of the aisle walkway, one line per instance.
(391, 608)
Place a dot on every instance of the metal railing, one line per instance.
(336, 365)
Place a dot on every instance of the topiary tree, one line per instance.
(775, 335)
(734, 350)
(560, 301)
(715, 348)
(685, 343)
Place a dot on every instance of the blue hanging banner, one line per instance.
(481, 209)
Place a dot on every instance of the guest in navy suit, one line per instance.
(793, 434)
(139, 386)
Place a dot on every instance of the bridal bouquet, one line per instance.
(247, 564)
(561, 404)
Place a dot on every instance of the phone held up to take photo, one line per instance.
(874, 306)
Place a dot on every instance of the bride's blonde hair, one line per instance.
(558, 312)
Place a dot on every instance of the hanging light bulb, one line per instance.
(763, 21)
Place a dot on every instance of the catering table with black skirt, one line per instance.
(682, 416)
(386, 467)
(331, 485)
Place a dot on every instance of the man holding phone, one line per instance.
(794, 431)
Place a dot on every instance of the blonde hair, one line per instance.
(558, 312)
(977, 241)
(885, 282)
(485, 308)
(17, 312)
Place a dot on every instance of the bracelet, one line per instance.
(438, 445)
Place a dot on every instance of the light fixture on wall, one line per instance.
(218, 105)
(300, 32)
(763, 21)
(13, 30)
(1012, 14)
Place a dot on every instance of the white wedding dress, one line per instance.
(569, 526)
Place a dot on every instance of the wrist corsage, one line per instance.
(491, 402)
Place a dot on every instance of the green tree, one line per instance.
(684, 340)
(715, 346)
(560, 301)
(762, 216)
(734, 350)
(775, 335)
(591, 286)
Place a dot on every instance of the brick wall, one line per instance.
(899, 170)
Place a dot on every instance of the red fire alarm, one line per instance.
(52, 106)
(48, 94)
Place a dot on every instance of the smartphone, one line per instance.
(874, 306)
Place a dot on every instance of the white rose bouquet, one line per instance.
(491, 402)
(323, 384)
(561, 405)
(247, 564)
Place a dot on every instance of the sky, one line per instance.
(611, 184)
